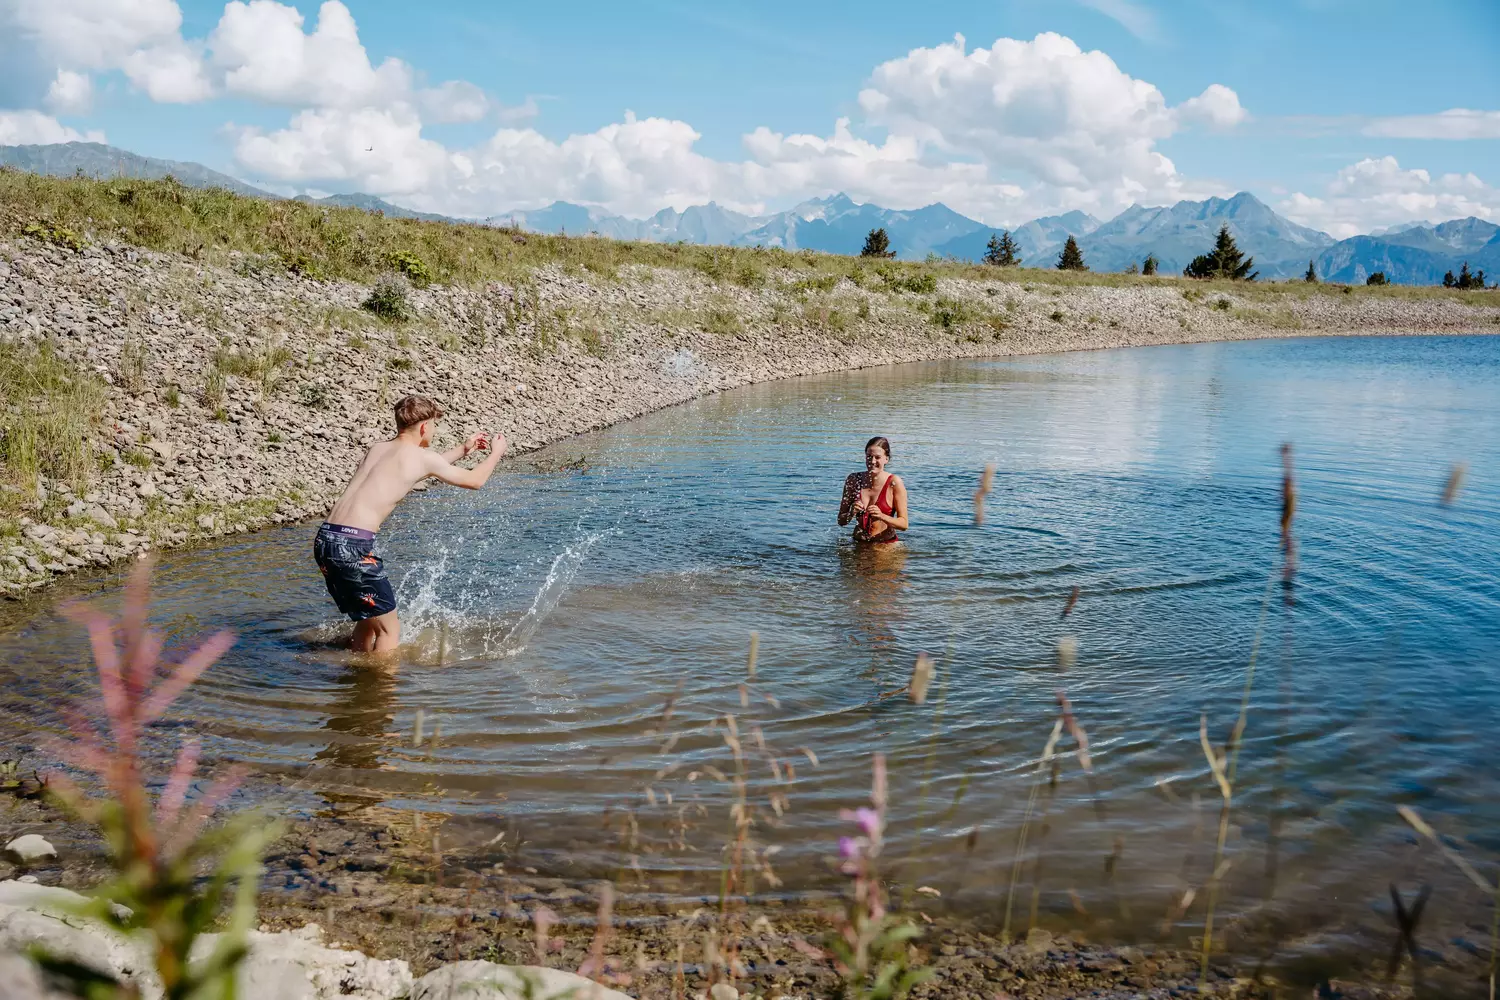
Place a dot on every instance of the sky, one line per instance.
(1344, 115)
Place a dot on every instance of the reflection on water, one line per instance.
(552, 616)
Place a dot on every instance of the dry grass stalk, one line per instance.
(1288, 512)
(1072, 600)
(921, 678)
(754, 651)
(1420, 825)
(986, 485)
(1218, 764)
(1020, 855)
(1453, 485)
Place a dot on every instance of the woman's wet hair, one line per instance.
(885, 446)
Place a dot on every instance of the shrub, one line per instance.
(411, 267)
(173, 397)
(388, 300)
(58, 236)
(1221, 304)
(1378, 278)
(314, 395)
(721, 321)
(948, 313)
(921, 283)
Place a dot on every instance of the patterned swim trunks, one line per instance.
(354, 574)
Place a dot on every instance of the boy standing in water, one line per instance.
(345, 547)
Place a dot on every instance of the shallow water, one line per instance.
(551, 617)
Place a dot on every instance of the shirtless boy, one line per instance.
(345, 546)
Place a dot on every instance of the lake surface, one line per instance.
(553, 616)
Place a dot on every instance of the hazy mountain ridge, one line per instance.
(1410, 253)
(94, 159)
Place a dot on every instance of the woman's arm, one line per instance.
(898, 517)
(847, 508)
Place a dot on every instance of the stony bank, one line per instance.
(154, 399)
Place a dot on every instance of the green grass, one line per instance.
(49, 418)
(347, 243)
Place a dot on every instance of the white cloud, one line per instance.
(1456, 123)
(264, 55)
(26, 128)
(1379, 192)
(1217, 107)
(381, 150)
(96, 34)
(70, 93)
(169, 73)
(457, 101)
(1139, 21)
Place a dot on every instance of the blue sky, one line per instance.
(1343, 115)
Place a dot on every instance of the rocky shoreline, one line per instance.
(242, 395)
(354, 904)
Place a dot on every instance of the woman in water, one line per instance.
(875, 499)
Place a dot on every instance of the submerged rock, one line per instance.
(488, 981)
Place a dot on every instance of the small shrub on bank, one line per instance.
(58, 236)
(315, 396)
(388, 300)
(722, 321)
(411, 267)
(948, 313)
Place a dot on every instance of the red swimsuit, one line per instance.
(885, 507)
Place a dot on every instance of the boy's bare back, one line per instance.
(388, 472)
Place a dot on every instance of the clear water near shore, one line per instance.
(551, 616)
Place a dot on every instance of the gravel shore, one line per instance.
(243, 395)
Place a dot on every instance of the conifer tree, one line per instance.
(1071, 258)
(1224, 261)
(1448, 280)
(1378, 278)
(1465, 279)
(1002, 251)
(1150, 265)
(1311, 277)
(877, 244)
(1479, 280)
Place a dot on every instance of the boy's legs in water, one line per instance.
(380, 634)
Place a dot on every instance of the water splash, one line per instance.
(564, 567)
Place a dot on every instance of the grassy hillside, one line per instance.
(320, 241)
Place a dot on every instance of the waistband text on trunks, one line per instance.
(344, 529)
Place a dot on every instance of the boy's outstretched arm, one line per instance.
(469, 479)
(477, 441)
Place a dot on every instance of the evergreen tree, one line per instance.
(1002, 251)
(1479, 280)
(1311, 277)
(1150, 265)
(1465, 279)
(877, 244)
(1071, 258)
(1448, 280)
(1378, 278)
(1224, 261)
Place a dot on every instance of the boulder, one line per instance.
(297, 965)
(289, 965)
(30, 848)
(488, 981)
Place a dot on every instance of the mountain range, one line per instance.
(1412, 253)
